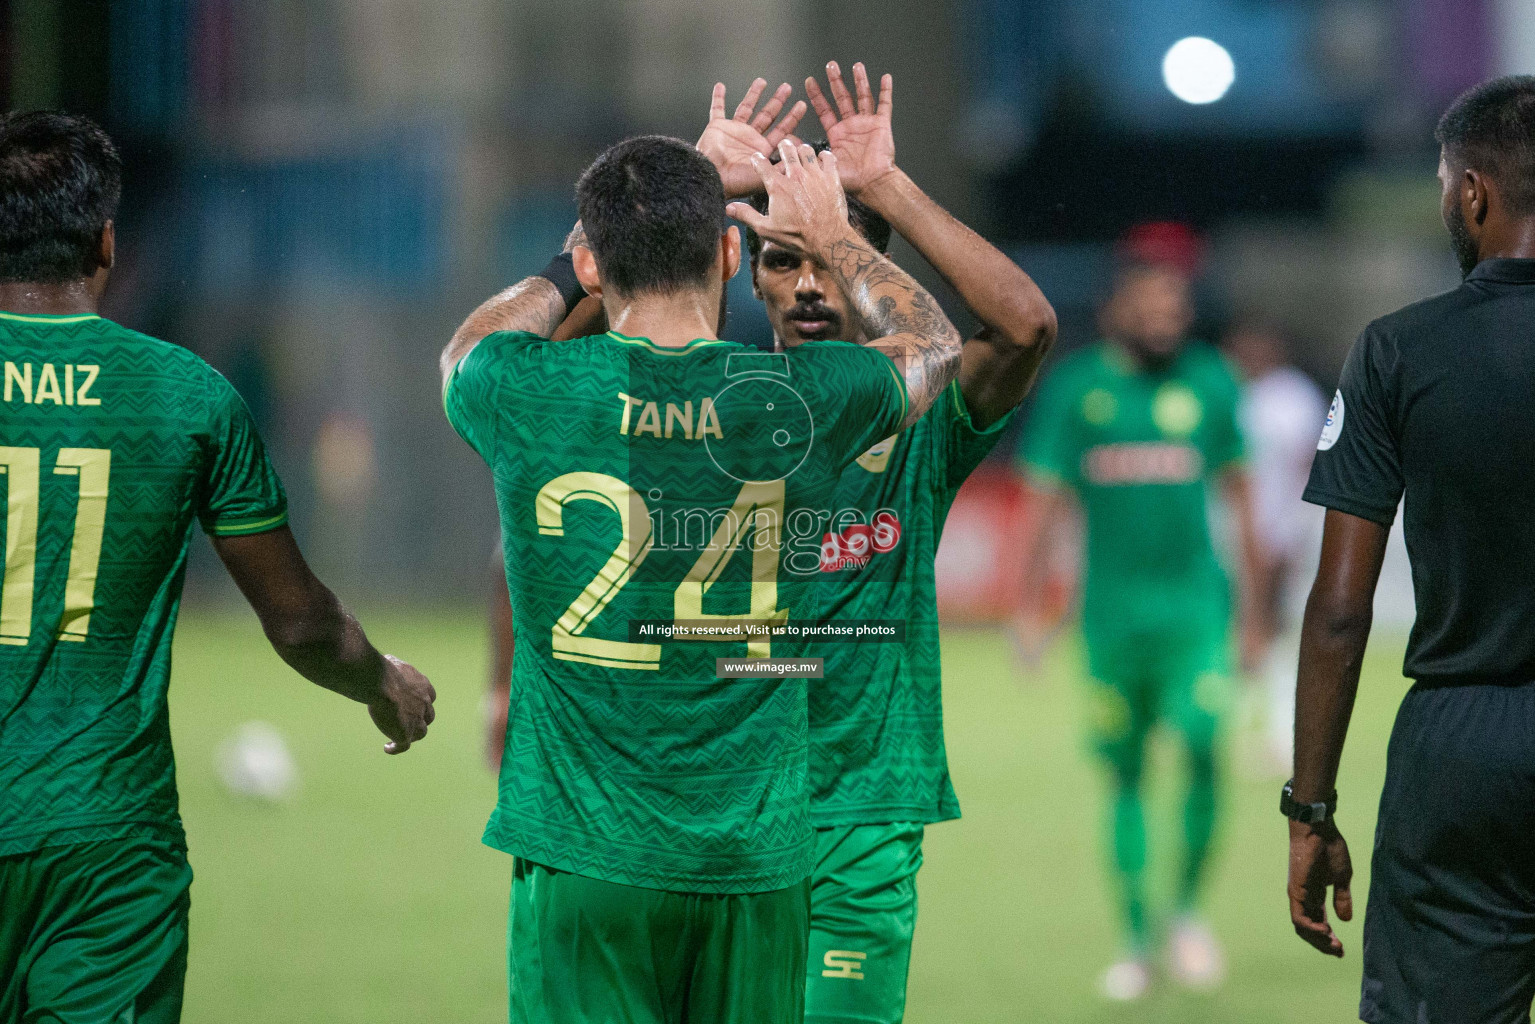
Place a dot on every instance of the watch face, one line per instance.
(1306, 814)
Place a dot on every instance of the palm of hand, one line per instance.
(865, 149)
(730, 146)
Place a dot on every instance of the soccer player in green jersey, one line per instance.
(658, 808)
(1137, 427)
(112, 446)
(879, 772)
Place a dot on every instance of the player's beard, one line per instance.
(1156, 354)
(1462, 242)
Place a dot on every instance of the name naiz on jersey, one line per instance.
(679, 419)
(852, 547)
(69, 384)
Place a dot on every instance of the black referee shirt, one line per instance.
(1437, 400)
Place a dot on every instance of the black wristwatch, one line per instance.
(1306, 814)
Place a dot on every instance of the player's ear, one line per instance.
(730, 250)
(108, 252)
(1475, 188)
(585, 265)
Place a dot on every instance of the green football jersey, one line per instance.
(1139, 448)
(640, 486)
(876, 719)
(111, 445)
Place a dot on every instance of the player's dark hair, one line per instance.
(1491, 128)
(653, 208)
(874, 228)
(60, 181)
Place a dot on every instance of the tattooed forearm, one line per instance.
(533, 305)
(901, 317)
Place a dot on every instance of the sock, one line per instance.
(1128, 828)
(1199, 813)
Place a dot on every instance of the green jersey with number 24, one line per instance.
(646, 485)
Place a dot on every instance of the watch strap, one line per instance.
(1307, 813)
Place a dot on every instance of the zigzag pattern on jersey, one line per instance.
(734, 871)
(668, 776)
(84, 734)
(876, 721)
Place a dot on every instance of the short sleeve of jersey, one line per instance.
(1357, 469)
(1051, 448)
(873, 399)
(1224, 444)
(243, 493)
(961, 444)
(470, 396)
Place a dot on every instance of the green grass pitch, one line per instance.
(369, 897)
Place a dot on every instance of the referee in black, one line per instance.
(1437, 403)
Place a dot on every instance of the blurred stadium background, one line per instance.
(318, 190)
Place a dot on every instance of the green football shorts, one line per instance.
(1182, 679)
(94, 933)
(863, 911)
(584, 951)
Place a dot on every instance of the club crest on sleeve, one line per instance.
(876, 458)
(1334, 425)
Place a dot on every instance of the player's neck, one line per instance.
(670, 321)
(1143, 360)
(1514, 239)
(52, 299)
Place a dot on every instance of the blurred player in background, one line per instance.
(112, 445)
(879, 773)
(1137, 428)
(659, 814)
(1281, 414)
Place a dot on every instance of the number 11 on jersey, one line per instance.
(22, 469)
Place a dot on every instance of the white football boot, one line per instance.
(1194, 956)
(1126, 980)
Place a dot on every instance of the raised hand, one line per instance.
(730, 142)
(858, 129)
(403, 709)
(807, 211)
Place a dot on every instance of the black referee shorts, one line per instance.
(1449, 932)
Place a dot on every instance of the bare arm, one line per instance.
(903, 320)
(1333, 637)
(321, 640)
(1252, 611)
(1053, 506)
(533, 305)
(588, 318)
(1018, 324)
